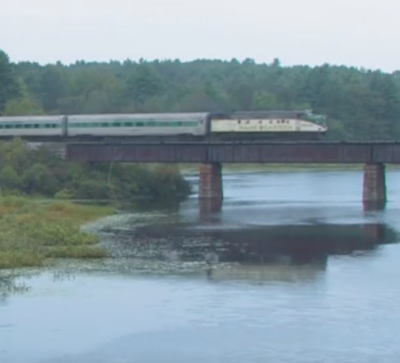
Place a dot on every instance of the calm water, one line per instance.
(291, 270)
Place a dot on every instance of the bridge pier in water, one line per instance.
(374, 186)
(210, 182)
(211, 187)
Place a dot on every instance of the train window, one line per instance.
(151, 124)
(129, 124)
(117, 124)
(139, 124)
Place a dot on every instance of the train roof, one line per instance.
(142, 115)
(35, 118)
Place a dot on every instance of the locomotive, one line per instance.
(202, 126)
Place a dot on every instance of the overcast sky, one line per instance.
(363, 33)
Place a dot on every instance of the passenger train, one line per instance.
(249, 125)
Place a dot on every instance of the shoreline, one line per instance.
(34, 231)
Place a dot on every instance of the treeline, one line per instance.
(359, 104)
(41, 172)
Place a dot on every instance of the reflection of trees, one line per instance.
(9, 286)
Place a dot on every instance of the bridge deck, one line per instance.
(238, 152)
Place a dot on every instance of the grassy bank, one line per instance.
(32, 231)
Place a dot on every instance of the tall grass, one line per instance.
(33, 230)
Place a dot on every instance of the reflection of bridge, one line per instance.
(303, 243)
(269, 272)
(211, 156)
(289, 252)
(292, 253)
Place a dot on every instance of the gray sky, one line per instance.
(363, 33)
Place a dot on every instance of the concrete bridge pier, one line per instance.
(208, 208)
(374, 188)
(210, 183)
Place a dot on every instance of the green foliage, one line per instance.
(41, 172)
(9, 86)
(360, 104)
(31, 231)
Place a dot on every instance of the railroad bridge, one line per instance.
(211, 156)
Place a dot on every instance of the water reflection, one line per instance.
(250, 251)
(374, 206)
(9, 285)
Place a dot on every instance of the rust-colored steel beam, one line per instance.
(302, 152)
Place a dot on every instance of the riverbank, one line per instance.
(34, 231)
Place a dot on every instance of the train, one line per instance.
(201, 126)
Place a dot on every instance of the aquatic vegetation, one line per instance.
(33, 230)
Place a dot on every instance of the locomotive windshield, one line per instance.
(308, 115)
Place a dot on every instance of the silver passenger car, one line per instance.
(172, 124)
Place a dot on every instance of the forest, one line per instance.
(40, 172)
(360, 104)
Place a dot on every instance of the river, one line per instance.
(292, 269)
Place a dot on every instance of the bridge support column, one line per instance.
(374, 189)
(210, 183)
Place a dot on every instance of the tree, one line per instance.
(358, 103)
(144, 83)
(9, 86)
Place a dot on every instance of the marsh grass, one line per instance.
(33, 230)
